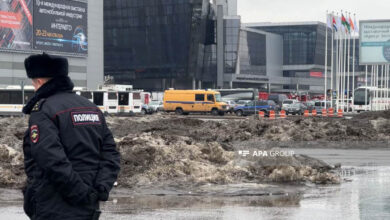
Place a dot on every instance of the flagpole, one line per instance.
(382, 87)
(384, 96)
(342, 68)
(344, 71)
(386, 92)
(326, 55)
(378, 107)
(372, 86)
(337, 63)
(348, 66)
(376, 87)
(339, 83)
(342, 65)
(387, 86)
(354, 57)
(365, 101)
(331, 66)
(338, 70)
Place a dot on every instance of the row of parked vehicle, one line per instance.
(123, 99)
(248, 107)
(184, 102)
(290, 106)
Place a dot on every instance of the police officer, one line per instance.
(70, 155)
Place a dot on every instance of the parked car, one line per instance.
(242, 102)
(254, 107)
(146, 109)
(288, 102)
(230, 105)
(274, 105)
(296, 108)
(156, 106)
(152, 107)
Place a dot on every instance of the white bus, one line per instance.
(125, 103)
(11, 100)
(239, 94)
(371, 99)
(109, 102)
(97, 97)
(113, 102)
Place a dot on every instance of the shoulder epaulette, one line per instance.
(38, 106)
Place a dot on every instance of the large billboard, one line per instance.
(60, 26)
(375, 42)
(16, 24)
(44, 25)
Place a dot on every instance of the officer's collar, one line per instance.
(57, 84)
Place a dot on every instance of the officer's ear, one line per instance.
(38, 82)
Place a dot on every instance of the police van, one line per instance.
(187, 101)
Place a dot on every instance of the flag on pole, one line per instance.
(351, 23)
(334, 24)
(340, 25)
(345, 23)
(356, 26)
(329, 20)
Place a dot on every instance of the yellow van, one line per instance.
(186, 101)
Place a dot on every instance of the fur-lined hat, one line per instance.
(45, 65)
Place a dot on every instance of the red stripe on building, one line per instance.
(316, 74)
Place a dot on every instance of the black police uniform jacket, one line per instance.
(70, 154)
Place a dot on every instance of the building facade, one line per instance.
(197, 44)
(85, 68)
(303, 53)
(156, 44)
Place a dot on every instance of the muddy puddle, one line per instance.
(363, 195)
(366, 196)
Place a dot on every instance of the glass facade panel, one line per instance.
(150, 38)
(302, 44)
(232, 32)
(252, 53)
(210, 63)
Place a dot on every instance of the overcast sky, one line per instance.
(309, 10)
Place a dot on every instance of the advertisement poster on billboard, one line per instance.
(16, 24)
(60, 26)
(375, 42)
